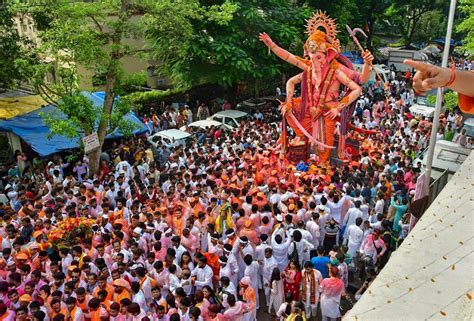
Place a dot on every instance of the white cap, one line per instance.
(279, 218)
(8, 186)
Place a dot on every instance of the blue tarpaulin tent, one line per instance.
(353, 57)
(441, 41)
(31, 128)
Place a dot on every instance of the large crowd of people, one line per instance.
(220, 229)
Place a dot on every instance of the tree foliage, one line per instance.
(412, 16)
(90, 35)
(450, 100)
(466, 26)
(139, 99)
(225, 49)
(370, 14)
(10, 48)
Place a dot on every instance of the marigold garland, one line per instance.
(66, 231)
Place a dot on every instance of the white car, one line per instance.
(230, 118)
(421, 107)
(170, 138)
(204, 124)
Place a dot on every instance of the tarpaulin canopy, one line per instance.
(31, 128)
(353, 57)
(453, 42)
(14, 106)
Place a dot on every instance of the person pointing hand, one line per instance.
(428, 77)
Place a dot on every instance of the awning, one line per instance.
(15, 106)
(31, 128)
(453, 42)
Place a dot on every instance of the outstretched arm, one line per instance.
(428, 77)
(365, 74)
(290, 85)
(290, 90)
(280, 52)
(355, 91)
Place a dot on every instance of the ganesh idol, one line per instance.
(329, 87)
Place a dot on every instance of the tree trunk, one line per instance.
(111, 79)
(94, 161)
(104, 121)
(283, 82)
(370, 35)
(413, 26)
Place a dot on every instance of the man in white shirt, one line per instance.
(351, 216)
(202, 274)
(280, 249)
(354, 235)
(313, 228)
(138, 296)
(269, 263)
(73, 312)
(310, 282)
(251, 271)
(124, 167)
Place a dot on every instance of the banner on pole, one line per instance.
(420, 186)
(91, 142)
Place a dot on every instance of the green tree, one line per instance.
(432, 25)
(94, 35)
(226, 51)
(90, 35)
(466, 27)
(10, 48)
(370, 15)
(410, 16)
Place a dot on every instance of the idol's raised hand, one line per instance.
(265, 38)
(368, 57)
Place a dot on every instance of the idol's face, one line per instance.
(318, 58)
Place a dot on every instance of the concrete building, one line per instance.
(430, 277)
(25, 27)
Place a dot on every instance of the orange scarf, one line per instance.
(95, 315)
(2, 317)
